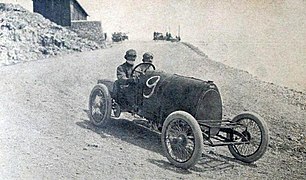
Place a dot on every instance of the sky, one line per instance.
(207, 20)
(264, 37)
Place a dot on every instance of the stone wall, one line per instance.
(91, 30)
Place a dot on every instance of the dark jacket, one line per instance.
(124, 73)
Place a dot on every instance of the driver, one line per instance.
(124, 71)
(122, 85)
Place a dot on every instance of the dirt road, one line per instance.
(45, 132)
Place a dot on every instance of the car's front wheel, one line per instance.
(182, 139)
(254, 137)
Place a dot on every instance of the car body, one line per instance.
(167, 37)
(186, 110)
(158, 36)
(119, 36)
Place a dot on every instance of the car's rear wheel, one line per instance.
(116, 109)
(182, 139)
(254, 132)
(100, 105)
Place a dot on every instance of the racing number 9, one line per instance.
(151, 84)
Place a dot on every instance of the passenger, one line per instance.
(146, 58)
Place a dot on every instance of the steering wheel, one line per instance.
(142, 71)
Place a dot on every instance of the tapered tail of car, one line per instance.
(209, 107)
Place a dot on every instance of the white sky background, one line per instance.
(205, 20)
(264, 37)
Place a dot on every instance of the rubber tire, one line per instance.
(264, 137)
(118, 113)
(107, 95)
(197, 134)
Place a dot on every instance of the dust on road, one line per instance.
(45, 131)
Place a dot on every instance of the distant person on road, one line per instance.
(105, 36)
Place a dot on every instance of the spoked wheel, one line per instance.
(116, 109)
(100, 105)
(182, 139)
(252, 130)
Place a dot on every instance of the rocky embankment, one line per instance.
(26, 36)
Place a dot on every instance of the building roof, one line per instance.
(82, 9)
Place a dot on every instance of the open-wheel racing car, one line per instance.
(187, 111)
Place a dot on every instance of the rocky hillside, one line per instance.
(26, 36)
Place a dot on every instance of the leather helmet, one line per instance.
(147, 57)
(130, 55)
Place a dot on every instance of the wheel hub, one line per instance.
(97, 106)
(180, 140)
(247, 135)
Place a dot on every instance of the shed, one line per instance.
(61, 12)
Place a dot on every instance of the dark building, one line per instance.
(62, 12)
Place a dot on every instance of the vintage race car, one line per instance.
(119, 36)
(187, 111)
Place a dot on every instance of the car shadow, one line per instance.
(207, 163)
(212, 161)
(128, 131)
(137, 135)
(222, 158)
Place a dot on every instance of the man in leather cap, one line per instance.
(125, 85)
(124, 71)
